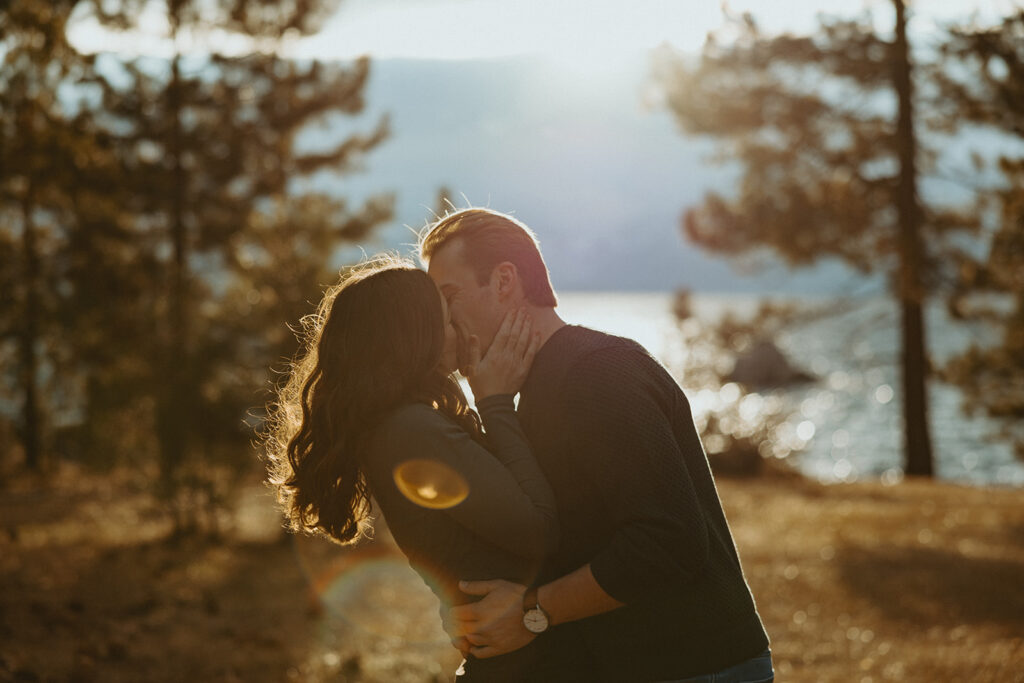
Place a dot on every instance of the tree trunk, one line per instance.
(917, 442)
(32, 424)
(174, 404)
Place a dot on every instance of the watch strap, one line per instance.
(530, 599)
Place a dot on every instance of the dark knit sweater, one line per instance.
(614, 435)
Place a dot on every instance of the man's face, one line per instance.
(449, 356)
(474, 308)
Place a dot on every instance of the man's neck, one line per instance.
(546, 322)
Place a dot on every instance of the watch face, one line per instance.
(535, 621)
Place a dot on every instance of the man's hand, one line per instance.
(494, 625)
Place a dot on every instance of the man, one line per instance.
(646, 584)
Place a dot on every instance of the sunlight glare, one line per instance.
(430, 484)
(429, 492)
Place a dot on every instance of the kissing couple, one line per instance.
(576, 536)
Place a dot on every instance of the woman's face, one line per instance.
(449, 357)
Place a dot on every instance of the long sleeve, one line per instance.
(509, 502)
(622, 423)
(637, 505)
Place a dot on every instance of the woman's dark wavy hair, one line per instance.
(375, 342)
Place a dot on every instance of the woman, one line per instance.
(372, 408)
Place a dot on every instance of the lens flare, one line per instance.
(430, 484)
(363, 594)
(385, 598)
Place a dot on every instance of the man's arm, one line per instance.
(634, 443)
(494, 625)
(634, 465)
(575, 596)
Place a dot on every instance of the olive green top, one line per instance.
(507, 521)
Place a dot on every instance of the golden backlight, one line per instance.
(430, 484)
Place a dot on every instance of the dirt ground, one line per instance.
(918, 581)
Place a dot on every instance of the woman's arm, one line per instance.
(509, 502)
(509, 444)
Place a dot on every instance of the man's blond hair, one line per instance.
(488, 238)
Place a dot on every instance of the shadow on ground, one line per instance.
(936, 586)
(155, 611)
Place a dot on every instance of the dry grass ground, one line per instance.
(862, 582)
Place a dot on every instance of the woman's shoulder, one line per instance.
(411, 430)
(408, 423)
(411, 415)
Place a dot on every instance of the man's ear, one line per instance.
(505, 277)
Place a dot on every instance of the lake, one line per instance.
(854, 406)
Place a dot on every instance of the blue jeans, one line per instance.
(755, 670)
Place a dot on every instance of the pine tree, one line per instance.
(825, 131)
(983, 82)
(52, 161)
(209, 146)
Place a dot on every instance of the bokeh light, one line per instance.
(430, 484)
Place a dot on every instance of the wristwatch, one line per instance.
(535, 619)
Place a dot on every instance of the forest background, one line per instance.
(165, 217)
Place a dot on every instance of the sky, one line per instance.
(572, 30)
(582, 149)
(588, 35)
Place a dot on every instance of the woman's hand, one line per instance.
(503, 370)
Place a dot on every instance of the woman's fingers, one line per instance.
(501, 338)
(522, 341)
(512, 340)
(467, 350)
(507, 361)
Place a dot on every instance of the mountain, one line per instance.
(601, 177)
